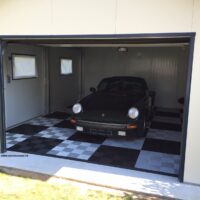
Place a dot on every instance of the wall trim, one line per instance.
(2, 102)
(100, 36)
(186, 109)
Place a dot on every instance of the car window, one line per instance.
(103, 85)
(129, 86)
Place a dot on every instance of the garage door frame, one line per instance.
(2, 102)
(152, 37)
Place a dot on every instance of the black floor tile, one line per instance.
(58, 115)
(65, 124)
(83, 137)
(166, 126)
(167, 114)
(35, 145)
(115, 156)
(162, 146)
(27, 129)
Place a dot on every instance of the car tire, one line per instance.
(144, 128)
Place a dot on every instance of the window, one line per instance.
(65, 66)
(24, 66)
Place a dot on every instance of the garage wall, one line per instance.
(24, 98)
(164, 69)
(64, 89)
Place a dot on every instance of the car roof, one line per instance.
(133, 78)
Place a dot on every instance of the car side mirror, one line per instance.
(92, 89)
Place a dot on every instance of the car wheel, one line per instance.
(150, 110)
(144, 128)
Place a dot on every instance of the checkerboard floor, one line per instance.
(53, 135)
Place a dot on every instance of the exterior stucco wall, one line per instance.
(192, 161)
(62, 17)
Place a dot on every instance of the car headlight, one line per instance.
(77, 108)
(133, 113)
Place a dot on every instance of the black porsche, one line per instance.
(119, 106)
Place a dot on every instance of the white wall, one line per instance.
(53, 16)
(192, 160)
(64, 17)
(95, 16)
(24, 98)
(154, 16)
(64, 89)
(164, 69)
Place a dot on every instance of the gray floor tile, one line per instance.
(57, 133)
(167, 119)
(74, 149)
(159, 162)
(14, 138)
(43, 121)
(164, 135)
(125, 143)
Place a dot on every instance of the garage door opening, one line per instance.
(39, 100)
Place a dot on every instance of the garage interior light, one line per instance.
(123, 49)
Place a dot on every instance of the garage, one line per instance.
(39, 98)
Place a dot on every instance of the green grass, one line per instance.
(19, 188)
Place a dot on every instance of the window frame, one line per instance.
(23, 77)
(60, 71)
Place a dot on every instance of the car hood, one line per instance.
(112, 102)
(104, 116)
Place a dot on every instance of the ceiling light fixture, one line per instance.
(123, 49)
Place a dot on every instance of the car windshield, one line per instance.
(121, 86)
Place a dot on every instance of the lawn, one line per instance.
(19, 188)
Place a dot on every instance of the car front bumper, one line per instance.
(108, 129)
